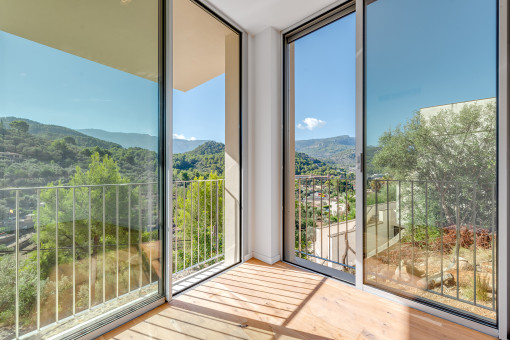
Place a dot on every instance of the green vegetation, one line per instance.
(46, 154)
(341, 191)
(386, 192)
(34, 154)
(199, 235)
(19, 125)
(52, 132)
(455, 152)
(85, 235)
(483, 289)
(334, 151)
(422, 234)
(445, 147)
(204, 160)
(307, 165)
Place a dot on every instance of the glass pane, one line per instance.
(79, 200)
(322, 107)
(431, 85)
(206, 159)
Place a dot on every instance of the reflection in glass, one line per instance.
(431, 160)
(79, 200)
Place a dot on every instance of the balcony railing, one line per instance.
(198, 226)
(325, 210)
(435, 237)
(75, 252)
(79, 251)
(440, 236)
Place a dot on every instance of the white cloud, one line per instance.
(311, 123)
(180, 136)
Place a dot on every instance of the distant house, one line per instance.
(427, 113)
(431, 111)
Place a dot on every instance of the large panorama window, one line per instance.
(79, 179)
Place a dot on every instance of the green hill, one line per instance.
(338, 152)
(208, 148)
(127, 140)
(50, 153)
(205, 159)
(335, 151)
(306, 165)
(53, 132)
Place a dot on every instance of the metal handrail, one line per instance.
(203, 225)
(408, 196)
(198, 224)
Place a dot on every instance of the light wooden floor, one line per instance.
(259, 301)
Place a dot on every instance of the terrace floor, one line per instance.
(260, 301)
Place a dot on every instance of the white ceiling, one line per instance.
(256, 15)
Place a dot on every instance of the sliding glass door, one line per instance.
(79, 162)
(430, 229)
(320, 152)
(425, 172)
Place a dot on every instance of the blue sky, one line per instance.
(53, 87)
(426, 53)
(200, 112)
(50, 86)
(325, 75)
(417, 56)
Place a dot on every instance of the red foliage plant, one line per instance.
(466, 239)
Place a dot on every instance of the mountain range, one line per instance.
(335, 151)
(102, 138)
(140, 140)
(338, 152)
(54, 132)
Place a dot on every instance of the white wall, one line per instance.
(265, 145)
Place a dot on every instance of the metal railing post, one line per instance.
(16, 256)
(299, 219)
(74, 251)
(192, 226)
(90, 247)
(104, 244)
(56, 254)
(129, 238)
(117, 241)
(38, 259)
(149, 224)
(175, 225)
(217, 218)
(140, 262)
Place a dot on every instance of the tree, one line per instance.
(19, 125)
(198, 219)
(375, 185)
(88, 224)
(69, 140)
(453, 153)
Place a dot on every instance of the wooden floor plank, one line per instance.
(261, 301)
